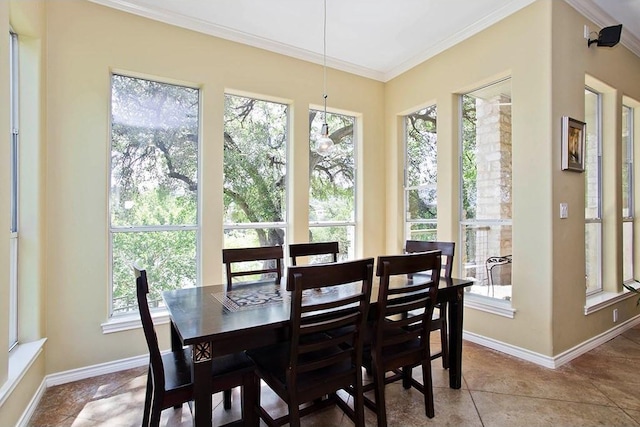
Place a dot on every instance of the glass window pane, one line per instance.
(422, 203)
(421, 145)
(486, 181)
(343, 234)
(627, 251)
(154, 153)
(486, 152)
(593, 241)
(421, 170)
(255, 154)
(252, 237)
(168, 256)
(593, 191)
(627, 161)
(154, 172)
(422, 231)
(479, 243)
(333, 176)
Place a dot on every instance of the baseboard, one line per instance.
(560, 359)
(33, 404)
(95, 370)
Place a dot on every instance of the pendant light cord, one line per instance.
(324, 60)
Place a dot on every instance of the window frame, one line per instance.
(598, 218)
(407, 188)
(230, 226)
(501, 306)
(117, 318)
(630, 218)
(350, 225)
(14, 187)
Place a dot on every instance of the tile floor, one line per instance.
(600, 388)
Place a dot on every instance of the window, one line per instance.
(332, 184)
(255, 165)
(154, 187)
(627, 194)
(485, 218)
(13, 191)
(593, 192)
(420, 175)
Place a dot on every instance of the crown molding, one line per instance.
(199, 25)
(601, 18)
(441, 46)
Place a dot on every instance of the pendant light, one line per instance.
(324, 143)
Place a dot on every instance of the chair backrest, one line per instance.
(396, 332)
(309, 249)
(447, 248)
(329, 306)
(155, 358)
(270, 255)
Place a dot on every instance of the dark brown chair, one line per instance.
(297, 250)
(271, 257)
(169, 382)
(440, 320)
(325, 351)
(401, 342)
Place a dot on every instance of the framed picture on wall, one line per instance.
(573, 140)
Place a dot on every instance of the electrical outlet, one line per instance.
(564, 210)
(586, 32)
(615, 315)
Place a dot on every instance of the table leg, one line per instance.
(456, 308)
(202, 384)
(176, 344)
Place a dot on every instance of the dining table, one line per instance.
(215, 322)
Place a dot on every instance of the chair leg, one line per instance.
(444, 342)
(226, 394)
(250, 399)
(156, 411)
(428, 388)
(147, 400)
(381, 410)
(358, 400)
(406, 377)
(294, 412)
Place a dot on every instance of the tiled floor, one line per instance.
(600, 388)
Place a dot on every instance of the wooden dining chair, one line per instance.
(169, 381)
(297, 250)
(439, 321)
(236, 260)
(399, 342)
(329, 305)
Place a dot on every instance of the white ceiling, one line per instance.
(374, 38)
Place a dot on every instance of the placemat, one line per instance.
(247, 299)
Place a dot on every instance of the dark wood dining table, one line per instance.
(201, 318)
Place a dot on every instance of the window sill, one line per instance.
(132, 321)
(20, 360)
(602, 300)
(490, 305)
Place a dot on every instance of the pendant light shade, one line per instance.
(324, 143)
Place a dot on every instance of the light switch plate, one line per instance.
(564, 210)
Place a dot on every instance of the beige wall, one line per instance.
(613, 72)
(543, 50)
(85, 43)
(525, 55)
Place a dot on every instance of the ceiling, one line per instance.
(378, 39)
